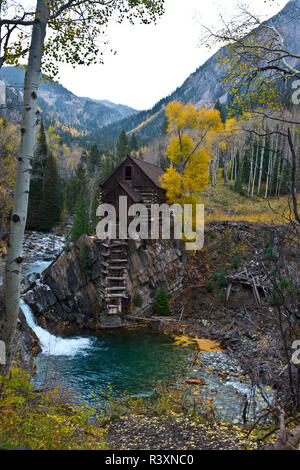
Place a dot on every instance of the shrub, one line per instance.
(162, 306)
(273, 271)
(238, 187)
(284, 283)
(84, 258)
(210, 286)
(236, 262)
(81, 225)
(271, 255)
(276, 297)
(46, 420)
(138, 300)
(220, 278)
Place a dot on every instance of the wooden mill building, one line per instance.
(140, 182)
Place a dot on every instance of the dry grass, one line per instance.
(225, 204)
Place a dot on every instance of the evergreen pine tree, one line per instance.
(220, 107)
(106, 168)
(133, 146)
(81, 221)
(165, 126)
(93, 159)
(164, 162)
(102, 173)
(84, 259)
(37, 180)
(50, 207)
(122, 146)
(162, 306)
(77, 187)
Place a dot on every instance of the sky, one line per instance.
(153, 60)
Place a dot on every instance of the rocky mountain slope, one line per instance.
(79, 115)
(202, 87)
(102, 121)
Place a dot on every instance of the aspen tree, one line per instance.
(74, 27)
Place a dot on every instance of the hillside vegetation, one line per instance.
(223, 203)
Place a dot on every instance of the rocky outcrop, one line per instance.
(65, 299)
(157, 266)
(26, 344)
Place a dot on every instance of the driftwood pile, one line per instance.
(259, 282)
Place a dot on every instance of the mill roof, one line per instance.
(152, 171)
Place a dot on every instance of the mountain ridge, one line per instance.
(202, 87)
(101, 121)
(59, 104)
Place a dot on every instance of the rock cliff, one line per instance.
(66, 300)
(26, 343)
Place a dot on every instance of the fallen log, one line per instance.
(195, 382)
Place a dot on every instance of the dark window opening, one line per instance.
(128, 173)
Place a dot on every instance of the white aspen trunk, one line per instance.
(255, 169)
(280, 159)
(240, 162)
(271, 166)
(261, 166)
(251, 170)
(226, 168)
(280, 179)
(236, 161)
(233, 163)
(215, 167)
(212, 165)
(19, 214)
(275, 156)
(270, 161)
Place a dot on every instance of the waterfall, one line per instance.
(54, 345)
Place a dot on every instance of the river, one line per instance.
(131, 362)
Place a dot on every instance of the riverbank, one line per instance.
(49, 420)
(152, 433)
(247, 332)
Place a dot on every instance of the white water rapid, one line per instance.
(54, 345)
(50, 344)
